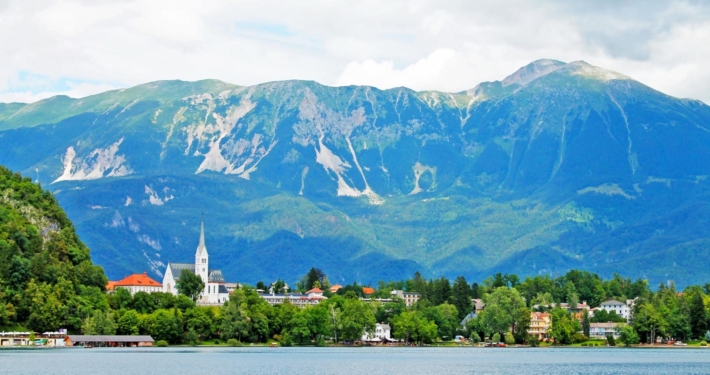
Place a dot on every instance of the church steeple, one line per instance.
(201, 248)
(201, 257)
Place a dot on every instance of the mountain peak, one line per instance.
(532, 71)
(582, 68)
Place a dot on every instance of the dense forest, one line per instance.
(47, 279)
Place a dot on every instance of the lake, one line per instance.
(258, 360)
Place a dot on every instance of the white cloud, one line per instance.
(448, 45)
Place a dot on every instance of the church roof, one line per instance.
(215, 276)
(137, 279)
(201, 248)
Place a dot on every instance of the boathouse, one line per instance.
(114, 341)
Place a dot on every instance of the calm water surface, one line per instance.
(355, 361)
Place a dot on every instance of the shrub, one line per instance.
(234, 342)
(533, 341)
(286, 340)
(579, 337)
(509, 339)
(192, 337)
(703, 343)
(475, 338)
(610, 340)
(161, 343)
(320, 341)
(496, 337)
(584, 344)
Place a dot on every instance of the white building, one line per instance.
(136, 283)
(410, 298)
(380, 334)
(602, 330)
(312, 297)
(215, 292)
(622, 309)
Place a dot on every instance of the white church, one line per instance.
(215, 292)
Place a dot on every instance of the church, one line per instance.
(215, 292)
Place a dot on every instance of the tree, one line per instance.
(99, 323)
(522, 324)
(236, 322)
(564, 326)
(166, 326)
(586, 326)
(496, 337)
(650, 321)
(128, 323)
(698, 315)
(627, 335)
(460, 297)
(509, 339)
(502, 307)
(189, 284)
(196, 319)
(357, 317)
(405, 325)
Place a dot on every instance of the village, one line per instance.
(597, 325)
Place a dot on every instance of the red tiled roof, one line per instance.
(367, 290)
(314, 290)
(335, 288)
(135, 280)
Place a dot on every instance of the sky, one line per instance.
(83, 47)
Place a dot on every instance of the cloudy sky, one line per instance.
(81, 47)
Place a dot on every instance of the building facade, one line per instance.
(136, 283)
(215, 292)
(539, 324)
(623, 309)
(380, 334)
(602, 330)
(410, 298)
(312, 297)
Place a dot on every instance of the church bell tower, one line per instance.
(201, 257)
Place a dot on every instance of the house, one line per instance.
(410, 298)
(381, 334)
(470, 316)
(540, 322)
(478, 305)
(367, 291)
(108, 340)
(136, 283)
(215, 292)
(577, 311)
(51, 339)
(335, 288)
(623, 309)
(297, 299)
(602, 330)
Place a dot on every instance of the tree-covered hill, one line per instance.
(47, 279)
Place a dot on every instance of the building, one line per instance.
(335, 288)
(51, 339)
(115, 341)
(539, 324)
(623, 309)
(577, 311)
(410, 298)
(602, 330)
(136, 283)
(215, 292)
(367, 291)
(478, 305)
(312, 297)
(381, 334)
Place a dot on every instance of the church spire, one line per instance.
(201, 248)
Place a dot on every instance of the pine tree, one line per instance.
(698, 316)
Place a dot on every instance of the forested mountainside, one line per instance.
(558, 166)
(47, 279)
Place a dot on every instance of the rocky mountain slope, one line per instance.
(558, 165)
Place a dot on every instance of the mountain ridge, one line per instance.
(576, 167)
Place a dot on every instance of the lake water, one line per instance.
(355, 361)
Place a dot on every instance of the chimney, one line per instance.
(145, 273)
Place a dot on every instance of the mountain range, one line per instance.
(557, 166)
